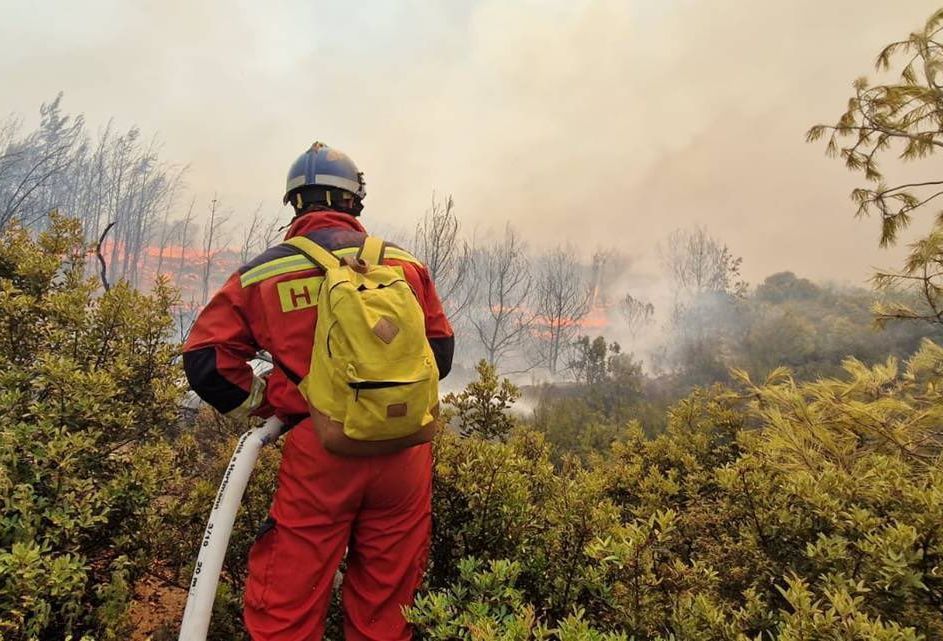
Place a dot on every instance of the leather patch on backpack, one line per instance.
(397, 410)
(386, 330)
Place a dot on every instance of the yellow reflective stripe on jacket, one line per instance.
(275, 268)
(252, 402)
(285, 265)
(299, 262)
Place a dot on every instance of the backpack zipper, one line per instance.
(378, 384)
(357, 386)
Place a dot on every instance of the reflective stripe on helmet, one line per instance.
(336, 181)
(297, 181)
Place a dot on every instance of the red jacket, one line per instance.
(269, 304)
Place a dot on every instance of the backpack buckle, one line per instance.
(356, 264)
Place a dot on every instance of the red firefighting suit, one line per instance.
(379, 506)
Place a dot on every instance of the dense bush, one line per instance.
(785, 320)
(100, 485)
(783, 510)
(87, 387)
(610, 391)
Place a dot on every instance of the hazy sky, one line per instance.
(602, 123)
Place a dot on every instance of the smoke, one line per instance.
(601, 123)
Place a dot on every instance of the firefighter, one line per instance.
(377, 506)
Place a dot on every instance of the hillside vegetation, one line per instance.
(773, 471)
(778, 509)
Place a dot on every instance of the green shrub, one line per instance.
(482, 408)
(87, 388)
(484, 604)
(780, 510)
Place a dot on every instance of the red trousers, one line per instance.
(378, 507)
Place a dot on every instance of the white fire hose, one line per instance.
(209, 562)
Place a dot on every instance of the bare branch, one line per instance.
(101, 259)
(212, 243)
(501, 318)
(447, 257)
(563, 298)
(698, 264)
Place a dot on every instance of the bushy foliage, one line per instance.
(87, 388)
(588, 415)
(486, 604)
(786, 320)
(781, 510)
(571, 424)
(481, 409)
(101, 483)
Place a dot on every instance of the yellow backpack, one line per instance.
(373, 373)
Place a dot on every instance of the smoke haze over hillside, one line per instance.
(604, 123)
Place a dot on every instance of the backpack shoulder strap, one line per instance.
(317, 254)
(372, 250)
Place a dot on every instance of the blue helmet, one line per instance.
(322, 166)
